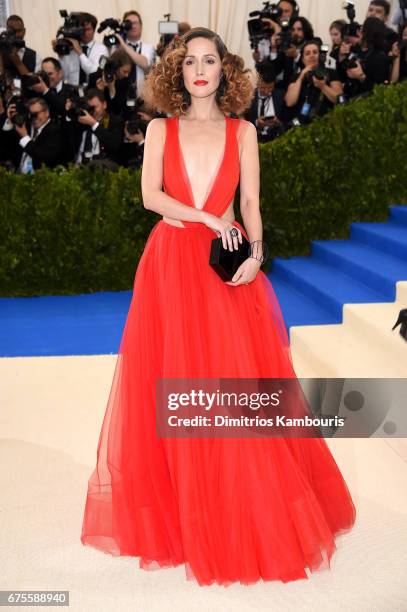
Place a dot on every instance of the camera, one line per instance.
(21, 115)
(168, 29)
(109, 68)
(319, 73)
(119, 28)
(349, 7)
(133, 105)
(351, 28)
(350, 61)
(8, 41)
(29, 80)
(285, 40)
(72, 28)
(79, 103)
(258, 30)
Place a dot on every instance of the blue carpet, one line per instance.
(88, 324)
(362, 269)
(311, 291)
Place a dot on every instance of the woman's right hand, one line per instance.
(222, 228)
(305, 70)
(395, 50)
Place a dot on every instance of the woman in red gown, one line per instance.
(230, 509)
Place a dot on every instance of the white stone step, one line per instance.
(402, 293)
(372, 324)
(302, 367)
(336, 351)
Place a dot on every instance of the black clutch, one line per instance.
(225, 262)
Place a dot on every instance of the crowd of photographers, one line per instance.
(83, 105)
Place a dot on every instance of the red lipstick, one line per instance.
(200, 82)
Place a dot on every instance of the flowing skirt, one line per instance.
(230, 509)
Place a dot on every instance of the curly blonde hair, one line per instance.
(164, 85)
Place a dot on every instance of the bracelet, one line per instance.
(259, 252)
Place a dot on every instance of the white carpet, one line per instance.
(50, 416)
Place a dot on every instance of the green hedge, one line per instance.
(70, 231)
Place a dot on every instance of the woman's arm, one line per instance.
(395, 69)
(332, 91)
(294, 89)
(250, 184)
(153, 196)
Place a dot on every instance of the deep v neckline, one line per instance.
(216, 174)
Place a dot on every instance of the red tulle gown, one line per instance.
(230, 509)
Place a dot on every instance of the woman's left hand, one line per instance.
(319, 83)
(246, 272)
(356, 73)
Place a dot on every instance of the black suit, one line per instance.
(56, 100)
(45, 149)
(29, 60)
(280, 109)
(110, 138)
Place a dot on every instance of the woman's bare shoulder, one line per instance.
(156, 129)
(246, 131)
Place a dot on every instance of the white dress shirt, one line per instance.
(58, 87)
(89, 63)
(95, 144)
(269, 109)
(264, 47)
(149, 52)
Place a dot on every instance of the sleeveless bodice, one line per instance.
(176, 182)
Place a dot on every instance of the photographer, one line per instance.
(134, 136)
(289, 9)
(83, 58)
(55, 93)
(286, 57)
(142, 53)
(114, 80)
(40, 143)
(20, 60)
(399, 56)
(93, 133)
(336, 31)
(381, 10)
(267, 111)
(315, 89)
(286, 11)
(372, 65)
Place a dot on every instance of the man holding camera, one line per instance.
(91, 132)
(39, 144)
(381, 10)
(56, 92)
(286, 11)
(142, 53)
(286, 49)
(21, 60)
(83, 58)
